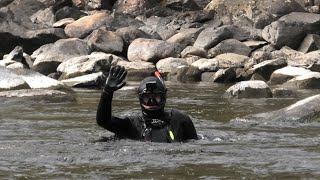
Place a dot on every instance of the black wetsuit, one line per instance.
(172, 126)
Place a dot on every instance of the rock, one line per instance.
(229, 46)
(11, 81)
(206, 65)
(39, 94)
(283, 93)
(25, 78)
(105, 41)
(132, 7)
(63, 22)
(253, 44)
(87, 64)
(48, 57)
(129, 34)
(185, 37)
(224, 76)
(290, 29)
(210, 37)
(184, 74)
(82, 27)
(193, 51)
(284, 74)
(152, 50)
(309, 80)
(266, 68)
(86, 81)
(310, 43)
(170, 65)
(182, 5)
(249, 89)
(229, 60)
(303, 111)
(68, 12)
(43, 17)
(137, 70)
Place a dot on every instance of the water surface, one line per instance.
(50, 139)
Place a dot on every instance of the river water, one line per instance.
(54, 139)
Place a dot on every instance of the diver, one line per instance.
(155, 123)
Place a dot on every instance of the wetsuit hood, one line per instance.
(152, 87)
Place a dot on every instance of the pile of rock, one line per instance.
(255, 43)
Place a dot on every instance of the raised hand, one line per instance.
(115, 79)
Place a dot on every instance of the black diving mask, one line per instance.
(150, 96)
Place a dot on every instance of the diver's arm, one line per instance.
(104, 116)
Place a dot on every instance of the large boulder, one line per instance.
(94, 80)
(38, 94)
(309, 80)
(87, 64)
(284, 74)
(132, 7)
(229, 46)
(11, 81)
(249, 89)
(105, 41)
(291, 29)
(303, 111)
(137, 70)
(48, 57)
(82, 27)
(26, 79)
(170, 65)
(254, 13)
(152, 50)
(266, 68)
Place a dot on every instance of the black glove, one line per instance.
(115, 79)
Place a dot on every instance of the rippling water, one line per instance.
(48, 139)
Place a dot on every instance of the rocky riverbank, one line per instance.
(251, 44)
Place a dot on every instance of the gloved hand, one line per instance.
(115, 79)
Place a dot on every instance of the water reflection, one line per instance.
(60, 140)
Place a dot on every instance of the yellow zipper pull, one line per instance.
(171, 135)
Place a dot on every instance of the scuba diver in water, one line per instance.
(155, 124)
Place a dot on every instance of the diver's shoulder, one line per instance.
(179, 113)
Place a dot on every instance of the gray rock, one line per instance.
(310, 43)
(303, 111)
(210, 37)
(224, 76)
(194, 51)
(137, 70)
(38, 94)
(48, 57)
(206, 65)
(229, 46)
(82, 27)
(290, 29)
(11, 81)
(266, 68)
(284, 74)
(86, 81)
(82, 65)
(309, 80)
(249, 89)
(185, 37)
(152, 50)
(26, 78)
(229, 60)
(170, 65)
(105, 41)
